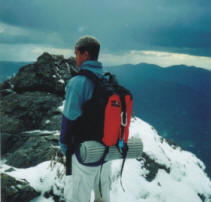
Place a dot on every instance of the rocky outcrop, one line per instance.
(13, 190)
(29, 111)
(30, 101)
(31, 148)
(152, 167)
(49, 74)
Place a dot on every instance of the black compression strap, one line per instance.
(68, 161)
(89, 74)
(111, 77)
(102, 161)
(124, 155)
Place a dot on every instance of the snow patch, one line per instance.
(47, 121)
(61, 108)
(41, 131)
(61, 81)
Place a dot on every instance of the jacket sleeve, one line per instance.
(65, 130)
(78, 90)
(73, 99)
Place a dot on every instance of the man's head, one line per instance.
(86, 48)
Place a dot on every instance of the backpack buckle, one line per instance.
(120, 144)
(124, 119)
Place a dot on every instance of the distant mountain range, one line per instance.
(7, 69)
(176, 101)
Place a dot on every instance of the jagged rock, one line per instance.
(27, 111)
(6, 85)
(49, 74)
(55, 197)
(52, 123)
(30, 100)
(5, 92)
(31, 148)
(10, 142)
(13, 190)
(152, 167)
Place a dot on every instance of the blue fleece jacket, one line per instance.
(79, 89)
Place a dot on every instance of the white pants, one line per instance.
(84, 179)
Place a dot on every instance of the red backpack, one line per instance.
(105, 117)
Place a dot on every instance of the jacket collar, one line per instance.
(92, 64)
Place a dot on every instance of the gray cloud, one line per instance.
(179, 26)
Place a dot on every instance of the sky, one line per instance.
(161, 32)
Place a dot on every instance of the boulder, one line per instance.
(152, 167)
(49, 74)
(14, 190)
(31, 148)
(11, 142)
(29, 111)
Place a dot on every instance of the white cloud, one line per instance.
(29, 52)
(38, 50)
(81, 29)
(12, 30)
(1, 28)
(163, 59)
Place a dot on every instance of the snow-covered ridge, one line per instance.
(178, 177)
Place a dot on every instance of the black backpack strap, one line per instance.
(123, 151)
(69, 154)
(93, 77)
(101, 166)
(89, 74)
(124, 155)
(111, 77)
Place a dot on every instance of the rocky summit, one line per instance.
(30, 101)
(30, 114)
(31, 98)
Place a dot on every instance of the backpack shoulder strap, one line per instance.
(89, 74)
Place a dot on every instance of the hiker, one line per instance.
(79, 89)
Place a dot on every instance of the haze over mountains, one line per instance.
(178, 94)
(7, 69)
(175, 100)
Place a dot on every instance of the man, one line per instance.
(79, 89)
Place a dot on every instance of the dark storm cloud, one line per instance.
(178, 26)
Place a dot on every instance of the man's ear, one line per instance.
(86, 55)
